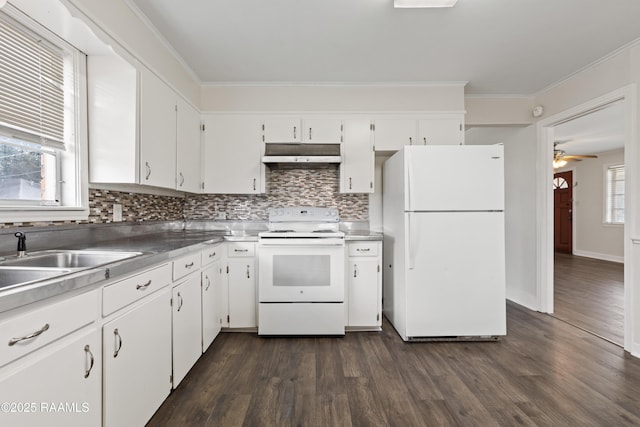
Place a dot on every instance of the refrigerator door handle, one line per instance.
(410, 241)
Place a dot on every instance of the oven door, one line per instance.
(301, 270)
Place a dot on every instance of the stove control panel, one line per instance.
(303, 213)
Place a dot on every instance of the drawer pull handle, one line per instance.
(212, 254)
(363, 250)
(148, 170)
(87, 350)
(248, 272)
(189, 265)
(118, 342)
(241, 250)
(143, 287)
(14, 341)
(355, 270)
(181, 301)
(208, 283)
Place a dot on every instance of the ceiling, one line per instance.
(596, 132)
(497, 46)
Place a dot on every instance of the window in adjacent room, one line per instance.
(40, 91)
(614, 194)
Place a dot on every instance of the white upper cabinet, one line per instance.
(282, 130)
(157, 131)
(441, 131)
(320, 130)
(112, 89)
(232, 162)
(391, 134)
(188, 158)
(357, 167)
(312, 130)
(140, 130)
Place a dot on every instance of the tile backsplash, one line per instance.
(287, 185)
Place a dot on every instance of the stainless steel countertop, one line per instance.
(156, 247)
(363, 235)
(158, 243)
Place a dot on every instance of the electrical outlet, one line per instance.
(117, 212)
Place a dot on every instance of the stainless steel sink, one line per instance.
(77, 259)
(10, 276)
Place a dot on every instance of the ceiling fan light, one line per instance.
(559, 163)
(423, 3)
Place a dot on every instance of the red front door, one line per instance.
(563, 211)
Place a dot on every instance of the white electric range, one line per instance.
(301, 273)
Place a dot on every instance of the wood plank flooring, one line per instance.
(589, 293)
(545, 372)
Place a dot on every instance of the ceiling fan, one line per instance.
(560, 157)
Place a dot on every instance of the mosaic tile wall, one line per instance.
(287, 185)
(135, 207)
(316, 185)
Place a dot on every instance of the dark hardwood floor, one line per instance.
(589, 293)
(544, 372)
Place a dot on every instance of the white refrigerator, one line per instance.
(443, 222)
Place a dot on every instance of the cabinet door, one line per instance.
(231, 155)
(211, 303)
(282, 130)
(137, 362)
(357, 167)
(112, 90)
(393, 134)
(242, 293)
(157, 132)
(68, 373)
(322, 131)
(187, 327)
(188, 157)
(364, 292)
(441, 131)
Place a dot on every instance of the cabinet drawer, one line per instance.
(211, 254)
(240, 249)
(185, 265)
(26, 332)
(363, 249)
(131, 289)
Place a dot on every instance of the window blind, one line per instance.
(615, 194)
(31, 86)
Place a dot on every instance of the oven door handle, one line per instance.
(302, 242)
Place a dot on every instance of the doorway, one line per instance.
(547, 142)
(563, 212)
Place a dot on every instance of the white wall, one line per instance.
(119, 22)
(520, 206)
(592, 237)
(334, 98)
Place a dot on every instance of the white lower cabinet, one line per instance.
(137, 361)
(187, 326)
(212, 308)
(241, 280)
(364, 285)
(59, 385)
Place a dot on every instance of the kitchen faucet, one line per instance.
(22, 244)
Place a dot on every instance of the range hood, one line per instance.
(302, 153)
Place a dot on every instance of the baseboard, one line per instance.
(525, 300)
(596, 255)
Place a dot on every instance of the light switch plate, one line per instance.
(117, 212)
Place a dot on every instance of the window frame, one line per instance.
(72, 163)
(607, 209)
